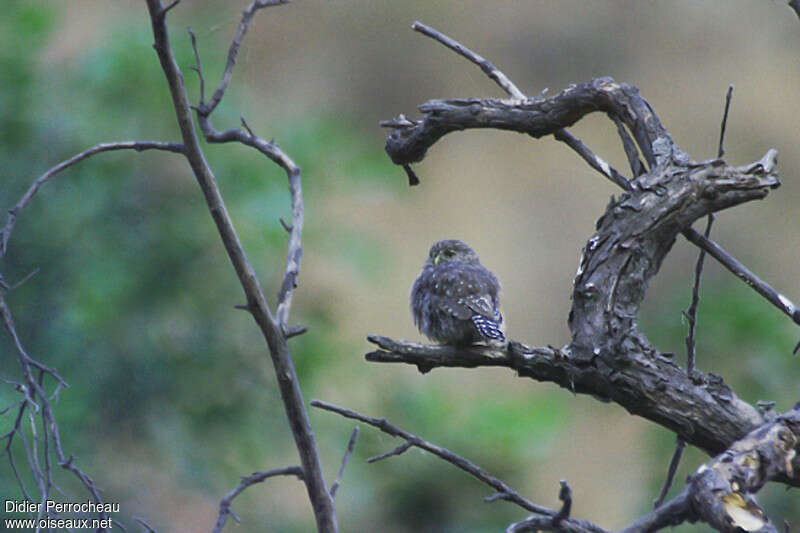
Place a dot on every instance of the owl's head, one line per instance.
(451, 250)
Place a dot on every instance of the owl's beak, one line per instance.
(437, 259)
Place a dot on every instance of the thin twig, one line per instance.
(233, 50)
(691, 313)
(25, 278)
(246, 136)
(391, 453)
(413, 179)
(348, 452)
(169, 7)
(680, 444)
(672, 512)
(198, 67)
(494, 73)
(294, 331)
(252, 479)
(501, 79)
(270, 326)
(724, 125)
(780, 301)
(560, 522)
(594, 161)
(458, 461)
(37, 397)
(629, 145)
(565, 495)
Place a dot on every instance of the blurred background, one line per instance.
(172, 394)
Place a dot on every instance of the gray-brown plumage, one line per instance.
(455, 300)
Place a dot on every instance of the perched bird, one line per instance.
(455, 298)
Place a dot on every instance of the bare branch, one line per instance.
(680, 445)
(631, 152)
(594, 161)
(168, 8)
(409, 141)
(691, 313)
(391, 453)
(508, 86)
(233, 50)
(271, 327)
(501, 79)
(294, 331)
(247, 481)
(139, 146)
(723, 126)
(701, 409)
(721, 492)
(271, 150)
(37, 398)
(777, 299)
(348, 452)
(459, 462)
(670, 514)
(535, 116)
(198, 67)
(560, 522)
(565, 495)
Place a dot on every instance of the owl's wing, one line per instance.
(486, 317)
(481, 304)
(456, 308)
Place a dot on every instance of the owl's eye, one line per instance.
(443, 255)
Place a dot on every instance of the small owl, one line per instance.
(455, 299)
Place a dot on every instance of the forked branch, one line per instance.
(273, 327)
(607, 356)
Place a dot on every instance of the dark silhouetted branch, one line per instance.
(691, 313)
(559, 522)
(590, 157)
(36, 404)
(724, 125)
(233, 50)
(721, 492)
(348, 452)
(702, 410)
(443, 453)
(409, 140)
(680, 445)
(502, 80)
(272, 327)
